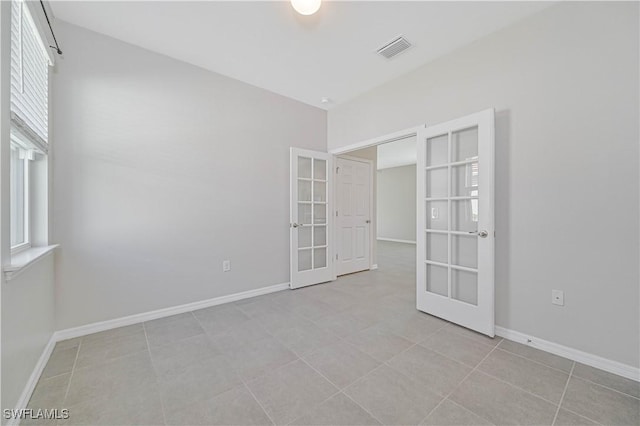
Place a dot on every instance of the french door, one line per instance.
(455, 221)
(311, 201)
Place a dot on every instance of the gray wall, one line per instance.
(565, 87)
(397, 203)
(28, 322)
(27, 303)
(163, 170)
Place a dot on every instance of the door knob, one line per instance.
(483, 234)
(367, 221)
(295, 225)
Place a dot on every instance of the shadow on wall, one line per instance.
(502, 179)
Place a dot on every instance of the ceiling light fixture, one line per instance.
(306, 7)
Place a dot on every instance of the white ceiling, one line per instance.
(397, 153)
(330, 54)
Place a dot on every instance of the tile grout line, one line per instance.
(498, 378)
(456, 330)
(257, 400)
(574, 363)
(73, 370)
(293, 422)
(518, 387)
(566, 385)
(536, 361)
(340, 390)
(458, 361)
(458, 386)
(582, 415)
(242, 379)
(146, 338)
(608, 388)
(498, 345)
(545, 399)
(363, 408)
(466, 409)
(462, 335)
(557, 369)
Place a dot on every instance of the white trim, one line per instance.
(25, 396)
(373, 267)
(95, 327)
(596, 361)
(402, 164)
(22, 260)
(395, 240)
(353, 158)
(21, 134)
(83, 330)
(390, 137)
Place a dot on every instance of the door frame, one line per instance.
(336, 206)
(379, 140)
(367, 143)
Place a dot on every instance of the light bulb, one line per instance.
(306, 7)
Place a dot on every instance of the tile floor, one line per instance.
(352, 352)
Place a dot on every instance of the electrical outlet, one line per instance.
(226, 265)
(557, 297)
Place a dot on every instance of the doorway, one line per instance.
(354, 212)
(454, 222)
(388, 236)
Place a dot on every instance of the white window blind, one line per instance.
(29, 76)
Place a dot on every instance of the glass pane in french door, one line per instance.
(312, 214)
(304, 260)
(437, 280)
(436, 182)
(464, 286)
(320, 214)
(304, 237)
(464, 144)
(451, 210)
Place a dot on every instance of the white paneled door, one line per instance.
(455, 222)
(311, 204)
(353, 215)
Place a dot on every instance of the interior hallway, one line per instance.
(354, 351)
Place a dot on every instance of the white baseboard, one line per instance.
(395, 240)
(596, 361)
(83, 330)
(554, 348)
(25, 396)
(95, 327)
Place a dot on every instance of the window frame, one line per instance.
(27, 154)
(30, 115)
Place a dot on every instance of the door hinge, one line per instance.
(337, 170)
(336, 256)
(336, 213)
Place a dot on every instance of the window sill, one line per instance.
(23, 260)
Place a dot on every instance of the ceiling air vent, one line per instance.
(394, 47)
